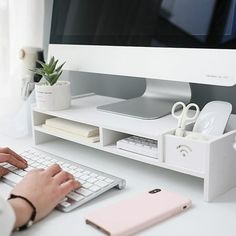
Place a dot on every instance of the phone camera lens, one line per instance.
(155, 191)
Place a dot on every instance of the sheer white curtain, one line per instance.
(4, 45)
(21, 24)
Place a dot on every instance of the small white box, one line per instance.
(185, 153)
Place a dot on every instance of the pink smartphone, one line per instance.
(136, 213)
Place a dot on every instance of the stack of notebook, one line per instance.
(72, 129)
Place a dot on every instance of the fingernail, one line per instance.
(24, 165)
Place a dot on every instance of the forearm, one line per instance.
(7, 218)
(22, 211)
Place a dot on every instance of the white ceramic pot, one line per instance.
(52, 98)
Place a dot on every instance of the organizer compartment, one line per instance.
(185, 153)
(110, 137)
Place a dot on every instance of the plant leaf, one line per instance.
(60, 67)
(54, 80)
(51, 61)
(52, 69)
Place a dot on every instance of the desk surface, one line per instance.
(217, 218)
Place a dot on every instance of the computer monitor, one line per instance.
(169, 42)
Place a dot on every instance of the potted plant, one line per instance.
(52, 94)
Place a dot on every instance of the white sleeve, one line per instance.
(7, 218)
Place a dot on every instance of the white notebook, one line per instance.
(73, 127)
(65, 134)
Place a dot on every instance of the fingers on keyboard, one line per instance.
(62, 177)
(12, 160)
(69, 186)
(3, 171)
(9, 151)
(53, 169)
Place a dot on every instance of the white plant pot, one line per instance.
(52, 98)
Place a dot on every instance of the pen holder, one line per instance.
(186, 153)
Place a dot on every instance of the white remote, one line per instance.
(213, 118)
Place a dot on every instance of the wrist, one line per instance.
(23, 211)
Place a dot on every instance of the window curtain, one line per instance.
(21, 25)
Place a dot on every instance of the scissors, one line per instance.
(184, 116)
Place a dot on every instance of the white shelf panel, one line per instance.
(84, 110)
(69, 138)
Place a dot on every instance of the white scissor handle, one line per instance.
(174, 109)
(179, 117)
(189, 107)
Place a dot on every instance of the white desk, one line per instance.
(217, 218)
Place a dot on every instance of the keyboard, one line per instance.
(93, 182)
(139, 145)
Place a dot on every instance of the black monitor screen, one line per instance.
(146, 23)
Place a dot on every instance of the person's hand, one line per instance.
(45, 189)
(7, 155)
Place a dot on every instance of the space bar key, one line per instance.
(13, 178)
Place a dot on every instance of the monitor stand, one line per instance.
(156, 101)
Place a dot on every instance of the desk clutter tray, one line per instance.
(213, 160)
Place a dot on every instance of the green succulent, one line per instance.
(49, 71)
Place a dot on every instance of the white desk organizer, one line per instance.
(213, 160)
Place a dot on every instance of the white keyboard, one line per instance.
(93, 182)
(139, 145)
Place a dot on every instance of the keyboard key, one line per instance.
(101, 183)
(40, 160)
(30, 162)
(101, 177)
(41, 166)
(109, 180)
(73, 167)
(34, 158)
(94, 188)
(23, 173)
(29, 168)
(87, 185)
(64, 200)
(92, 180)
(85, 177)
(78, 174)
(35, 164)
(47, 163)
(72, 171)
(81, 181)
(17, 171)
(7, 166)
(65, 204)
(13, 177)
(12, 168)
(47, 158)
(93, 175)
(83, 191)
(59, 163)
(74, 196)
(65, 165)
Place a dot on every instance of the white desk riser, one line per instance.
(217, 218)
(213, 160)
